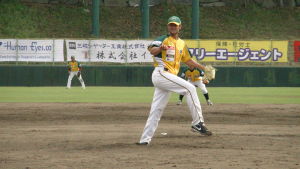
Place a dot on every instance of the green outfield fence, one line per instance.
(141, 76)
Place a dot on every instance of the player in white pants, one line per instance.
(195, 77)
(74, 69)
(169, 50)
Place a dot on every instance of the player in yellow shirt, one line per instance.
(169, 51)
(74, 69)
(195, 77)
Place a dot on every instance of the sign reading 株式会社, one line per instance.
(118, 51)
(25, 50)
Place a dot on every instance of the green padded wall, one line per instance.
(141, 76)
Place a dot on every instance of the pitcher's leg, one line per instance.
(194, 106)
(178, 85)
(160, 100)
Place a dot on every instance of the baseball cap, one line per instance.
(175, 20)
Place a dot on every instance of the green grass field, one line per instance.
(247, 95)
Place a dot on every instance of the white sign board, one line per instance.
(24, 50)
(117, 51)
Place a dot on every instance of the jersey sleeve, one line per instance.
(157, 42)
(182, 74)
(186, 54)
(201, 72)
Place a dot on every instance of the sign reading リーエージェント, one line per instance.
(238, 51)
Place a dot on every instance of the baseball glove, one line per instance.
(210, 73)
(78, 74)
(205, 81)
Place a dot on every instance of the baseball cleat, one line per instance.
(142, 144)
(200, 128)
(209, 103)
(179, 102)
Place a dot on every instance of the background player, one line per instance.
(74, 68)
(195, 77)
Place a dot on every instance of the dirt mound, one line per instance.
(102, 135)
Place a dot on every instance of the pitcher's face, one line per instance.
(173, 28)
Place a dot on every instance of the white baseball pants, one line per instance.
(164, 83)
(201, 85)
(71, 75)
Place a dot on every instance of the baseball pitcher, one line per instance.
(168, 52)
(74, 69)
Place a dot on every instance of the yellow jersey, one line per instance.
(192, 75)
(170, 59)
(74, 66)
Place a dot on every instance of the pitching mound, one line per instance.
(102, 135)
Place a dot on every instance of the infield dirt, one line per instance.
(103, 135)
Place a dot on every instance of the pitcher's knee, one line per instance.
(192, 88)
(189, 89)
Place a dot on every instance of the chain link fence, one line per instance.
(209, 3)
